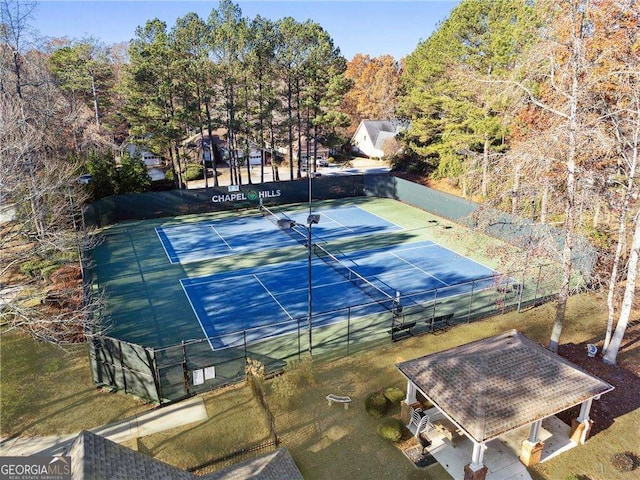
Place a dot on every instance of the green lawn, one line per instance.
(47, 390)
(329, 442)
(326, 442)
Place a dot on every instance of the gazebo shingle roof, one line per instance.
(497, 384)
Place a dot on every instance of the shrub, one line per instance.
(194, 172)
(390, 429)
(36, 268)
(283, 391)
(47, 271)
(394, 395)
(376, 404)
(624, 462)
(301, 372)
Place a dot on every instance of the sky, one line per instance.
(373, 27)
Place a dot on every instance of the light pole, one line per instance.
(287, 223)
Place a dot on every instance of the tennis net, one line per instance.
(380, 296)
(290, 230)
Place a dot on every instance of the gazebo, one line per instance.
(493, 386)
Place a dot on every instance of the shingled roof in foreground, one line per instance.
(94, 457)
(497, 384)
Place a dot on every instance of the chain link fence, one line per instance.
(172, 373)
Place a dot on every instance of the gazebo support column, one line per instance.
(581, 426)
(409, 402)
(476, 470)
(531, 451)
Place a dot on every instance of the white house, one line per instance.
(371, 135)
(149, 159)
(155, 165)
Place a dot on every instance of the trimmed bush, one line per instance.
(390, 429)
(394, 395)
(376, 404)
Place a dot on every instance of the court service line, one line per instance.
(335, 221)
(165, 248)
(220, 236)
(418, 268)
(206, 334)
(274, 298)
(455, 252)
(380, 217)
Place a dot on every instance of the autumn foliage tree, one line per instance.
(374, 94)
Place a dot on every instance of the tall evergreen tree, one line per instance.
(84, 69)
(229, 41)
(451, 120)
(150, 89)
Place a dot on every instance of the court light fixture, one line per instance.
(286, 223)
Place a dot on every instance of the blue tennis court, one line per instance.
(416, 269)
(266, 299)
(206, 240)
(262, 298)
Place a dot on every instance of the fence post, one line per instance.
(185, 370)
(156, 375)
(244, 345)
(124, 377)
(521, 292)
(535, 296)
(298, 327)
(348, 328)
(433, 312)
(473, 286)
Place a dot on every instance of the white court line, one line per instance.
(195, 313)
(274, 298)
(220, 236)
(418, 268)
(334, 220)
(379, 216)
(434, 244)
(165, 248)
(291, 265)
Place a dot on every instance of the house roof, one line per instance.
(375, 127)
(94, 457)
(312, 141)
(383, 137)
(498, 384)
(276, 465)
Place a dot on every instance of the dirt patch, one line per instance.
(625, 377)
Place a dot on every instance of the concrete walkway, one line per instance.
(501, 455)
(157, 420)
